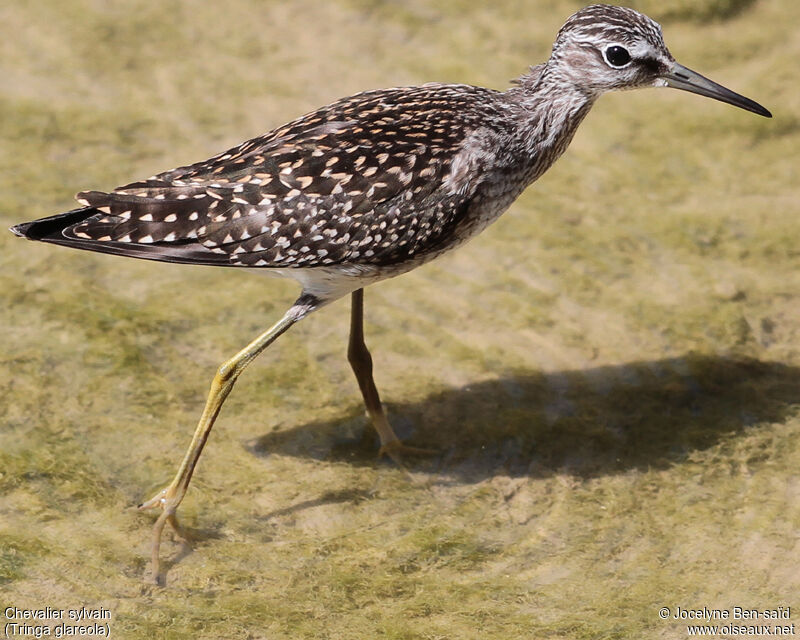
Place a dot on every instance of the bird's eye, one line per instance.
(617, 56)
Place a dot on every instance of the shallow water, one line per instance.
(610, 373)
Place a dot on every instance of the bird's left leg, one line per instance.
(169, 499)
(361, 362)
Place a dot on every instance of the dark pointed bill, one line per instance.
(679, 77)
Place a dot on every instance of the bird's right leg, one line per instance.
(361, 362)
(169, 498)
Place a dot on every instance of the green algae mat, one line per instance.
(610, 374)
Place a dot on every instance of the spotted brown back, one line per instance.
(363, 180)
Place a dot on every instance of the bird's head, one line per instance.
(602, 48)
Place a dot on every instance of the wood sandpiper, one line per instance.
(366, 188)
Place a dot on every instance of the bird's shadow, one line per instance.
(590, 422)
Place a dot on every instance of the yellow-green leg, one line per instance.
(169, 498)
(361, 362)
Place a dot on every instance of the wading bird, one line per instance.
(366, 188)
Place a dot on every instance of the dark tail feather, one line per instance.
(51, 229)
